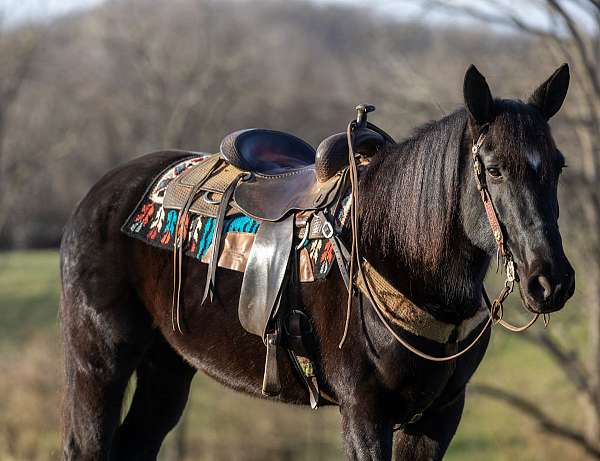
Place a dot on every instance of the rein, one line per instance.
(495, 308)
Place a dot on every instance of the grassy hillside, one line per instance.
(220, 424)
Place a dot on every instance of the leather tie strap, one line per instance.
(217, 239)
(181, 229)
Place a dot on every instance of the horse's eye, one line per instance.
(494, 172)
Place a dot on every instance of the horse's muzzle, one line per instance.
(545, 290)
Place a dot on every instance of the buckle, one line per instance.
(327, 230)
(510, 271)
(210, 201)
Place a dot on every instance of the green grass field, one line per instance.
(220, 424)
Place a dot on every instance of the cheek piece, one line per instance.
(502, 251)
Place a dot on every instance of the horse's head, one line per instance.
(522, 166)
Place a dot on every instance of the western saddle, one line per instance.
(291, 190)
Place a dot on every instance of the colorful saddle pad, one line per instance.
(153, 224)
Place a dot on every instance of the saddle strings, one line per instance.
(209, 286)
(181, 230)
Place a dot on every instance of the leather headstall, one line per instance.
(502, 252)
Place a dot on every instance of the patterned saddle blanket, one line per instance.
(154, 224)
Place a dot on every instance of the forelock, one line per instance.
(521, 138)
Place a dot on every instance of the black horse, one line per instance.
(423, 227)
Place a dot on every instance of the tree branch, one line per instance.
(536, 413)
(567, 360)
(507, 19)
(580, 45)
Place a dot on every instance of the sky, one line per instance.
(16, 11)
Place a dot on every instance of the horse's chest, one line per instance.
(410, 386)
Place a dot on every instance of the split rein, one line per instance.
(495, 308)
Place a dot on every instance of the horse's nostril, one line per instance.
(540, 287)
(547, 286)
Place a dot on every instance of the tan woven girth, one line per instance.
(402, 312)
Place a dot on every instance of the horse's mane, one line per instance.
(410, 194)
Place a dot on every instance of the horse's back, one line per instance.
(100, 214)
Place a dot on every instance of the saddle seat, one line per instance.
(262, 151)
(284, 173)
(272, 153)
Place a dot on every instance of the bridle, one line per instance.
(502, 251)
(496, 308)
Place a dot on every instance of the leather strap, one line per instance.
(354, 252)
(209, 287)
(490, 212)
(337, 250)
(181, 229)
(497, 306)
(300, 354)
(271, 383)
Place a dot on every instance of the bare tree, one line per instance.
(17, 52)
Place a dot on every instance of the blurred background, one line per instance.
(86, 85)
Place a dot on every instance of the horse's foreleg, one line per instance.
(428, 438)
(163, 384)
(367, 433)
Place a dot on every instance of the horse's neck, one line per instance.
(451, 291)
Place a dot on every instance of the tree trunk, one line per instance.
(592, 297)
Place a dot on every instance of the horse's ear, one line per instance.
(478, 98)
(549, 96)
